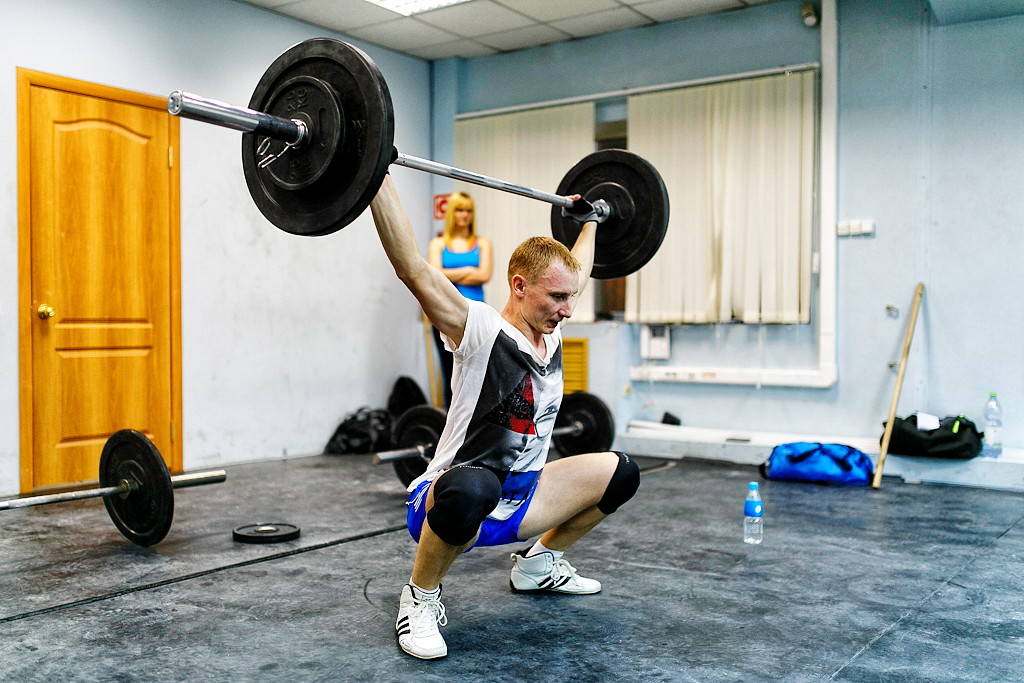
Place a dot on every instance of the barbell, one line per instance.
(318, 138)
(584, 424)
(135, 485)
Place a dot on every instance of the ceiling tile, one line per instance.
(458, 48)
(602, 22)
(475, 18)
(519, 38)
(549, 10)
(668, 10)
(340, 15)
(402, 34)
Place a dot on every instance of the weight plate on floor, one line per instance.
(344, 187)
(267, 532)
(420, 425)
(631, 236)
(144, 516)
(598, 424)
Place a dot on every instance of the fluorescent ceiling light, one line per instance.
(410, 7)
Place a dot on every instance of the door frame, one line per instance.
(26, 79)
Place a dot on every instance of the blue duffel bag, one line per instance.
(821, 463)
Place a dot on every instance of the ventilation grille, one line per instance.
(574, 363)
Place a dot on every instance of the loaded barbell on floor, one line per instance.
(136, 488)
(584, 424)
(318, 137)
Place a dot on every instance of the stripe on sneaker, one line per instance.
(404, 632)
(404, 621)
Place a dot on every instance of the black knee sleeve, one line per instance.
(625, 481)
(463, 497)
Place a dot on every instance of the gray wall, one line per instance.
(929, 148)
(282, 335)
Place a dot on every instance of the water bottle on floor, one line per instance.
(752, 512)
(993, 428)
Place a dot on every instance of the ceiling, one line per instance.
(485, 27)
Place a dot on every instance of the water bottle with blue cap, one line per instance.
(753, 512)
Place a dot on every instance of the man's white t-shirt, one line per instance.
(505, 396)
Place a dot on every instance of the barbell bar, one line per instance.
(420, 450)
(318, 138)
(294, 131)
(180, 481)
(584, 424)
(135, 485)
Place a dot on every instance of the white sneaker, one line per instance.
(417, 626)
(543, 572)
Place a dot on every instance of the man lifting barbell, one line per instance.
(317, 143)
(488, 483)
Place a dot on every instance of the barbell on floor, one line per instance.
(318, 138)
(135, 485)
(584, 424)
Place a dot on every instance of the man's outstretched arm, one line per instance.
(583, 250)
(438, 297)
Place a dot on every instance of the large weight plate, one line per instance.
(420, 425)
(346, 186)
(631, 236)
(144, 516)
(596, 418)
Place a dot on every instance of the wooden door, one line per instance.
(98, 198)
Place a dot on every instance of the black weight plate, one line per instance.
(268, 532)
(631, 236)
(316, 104)
(349, 183)
(420, 425)
(144, 516)
(598, 424)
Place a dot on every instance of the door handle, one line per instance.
(45, 311)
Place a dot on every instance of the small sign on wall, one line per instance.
(440, 205)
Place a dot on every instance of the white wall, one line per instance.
(282, 335)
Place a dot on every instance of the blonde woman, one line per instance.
(465, 259)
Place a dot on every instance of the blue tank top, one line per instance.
(460, 259)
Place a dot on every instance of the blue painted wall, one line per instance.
(929, 125)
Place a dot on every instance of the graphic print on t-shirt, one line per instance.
(503, 429)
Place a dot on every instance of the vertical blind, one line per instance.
(533, 148)
(738, 161)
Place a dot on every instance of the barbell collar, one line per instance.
(479, 179)
(179, 482)
(189, 106)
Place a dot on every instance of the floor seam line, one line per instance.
(198, 575)
(921, 603)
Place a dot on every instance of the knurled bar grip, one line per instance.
(179, 482)
(226, 115)
(575, 429)
(479, 179)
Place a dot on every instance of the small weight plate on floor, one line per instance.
(631, 236)
(268, 532)
(598, 424)
(144, 516)
(344, 182)
(420, 425)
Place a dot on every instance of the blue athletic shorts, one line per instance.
(492, 531)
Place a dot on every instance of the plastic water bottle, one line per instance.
(993, 428)
(752, 511)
